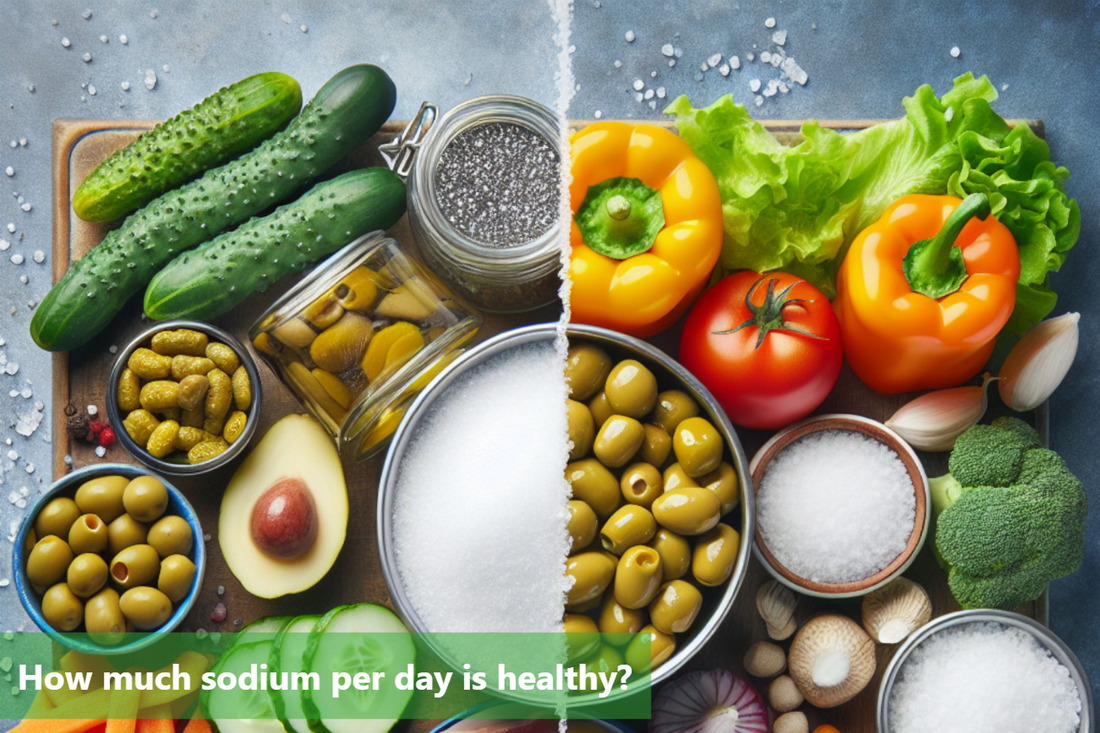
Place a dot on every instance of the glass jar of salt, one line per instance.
(484, 202)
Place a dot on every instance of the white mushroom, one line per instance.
(831, 660)
(775, 603)
(894, 611)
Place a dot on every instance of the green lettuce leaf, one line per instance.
(798, 208)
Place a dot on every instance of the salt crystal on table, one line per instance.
(779, 38)
(100, 451)
(123, 39)
(66, 42)
(39, 256)
(735, 63)
(754, 85)
(9, 171)
(150, 79)
(87, 58)
(17, 259)
(630, 36)
(769, 23)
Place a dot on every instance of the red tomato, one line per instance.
(766, 346)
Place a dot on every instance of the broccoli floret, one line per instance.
(1010, 516)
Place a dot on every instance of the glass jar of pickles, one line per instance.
(360, 336)
(484, 195)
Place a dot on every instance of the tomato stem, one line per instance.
(768, 316)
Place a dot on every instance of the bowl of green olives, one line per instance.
(660, 520)
(108, 558)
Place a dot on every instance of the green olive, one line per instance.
(87, 574)
(591, 572)
(606, 660)
(582, 636)
(586, 370)
(88, 534)
(675, 478)
(124, 532)
(48, 561)
(103, 619)
(618, 441)
(649, 649)
(723, 482)
(61, 608)
(146, 607)
(583, 524)
(675, 607)
(582, 429)
(618, 620)
(631, 389)
(656, 446)
(600, 409)
(56, 518)
(637, 577)
(630, 525)
(673, 407)
(641, 483)
(29, 541)
(134, 566)
(698, 446)
(689, 510)
(176, 575)
(593, 484)
(171, 535)
(145, 498)
(102, 496)
(715, 555)
(675, 553)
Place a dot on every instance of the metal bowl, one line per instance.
(176, 468)
(921, 521)
(67, 486)
(1041, 633)
(717, 602)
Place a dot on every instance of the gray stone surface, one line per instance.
(861, 59)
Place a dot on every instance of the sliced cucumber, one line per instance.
(286, 654)
(359, 638)
(262, 629)
(237, 710)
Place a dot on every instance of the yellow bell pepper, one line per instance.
(646, 229)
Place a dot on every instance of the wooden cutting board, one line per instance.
(80, 378)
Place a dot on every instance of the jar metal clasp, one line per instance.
(398, 153)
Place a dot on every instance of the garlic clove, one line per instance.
(934, 420)
(783, 633)
(1037, 364)
(894, 611)
(775, 603)
(831, 660)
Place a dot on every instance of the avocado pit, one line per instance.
(284, 519)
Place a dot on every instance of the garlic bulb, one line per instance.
(896, 610)
(1039, 362)
(933, 421)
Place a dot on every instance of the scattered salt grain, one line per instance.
(112, 349)
(703, 67)
(649, 94)
(765, 57)
(66, 42)
(769, 23)
(507, 575)
(638, 85)
(836, 506)
(153, 14)
(4, 245)
(735, 63)
(754, 85)
(25, 206)
(598, 114)
(123, 39)
(724, 70)
(751, 56)
(984, 677)
(11, 227)
(667, 50)
(671, 63)
(779, 38)
(618, 64)
(630, 36)
(165, 68)
(100, 451)
(661, 92)
(125, 86)
(793, 72)
(285, 17)
(30, 88)
(303, 28)
(17, 259)
(87, 57)
(91, 89)
(653, 75)
(955, 52)
(39, 256)
(104, 39)
(9, 171)
(150, 79)
(715, 60)
(86, 15)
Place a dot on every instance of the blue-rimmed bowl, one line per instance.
(67, 486)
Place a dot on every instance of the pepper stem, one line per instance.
(935, 267)
(618, 207)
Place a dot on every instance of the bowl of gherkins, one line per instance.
(184, 397)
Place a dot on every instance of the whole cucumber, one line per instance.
(347, 110)
(214, 278)
(229, 122)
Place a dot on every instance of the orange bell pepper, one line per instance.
(923, 292)
(646, 229)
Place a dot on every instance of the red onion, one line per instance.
(717, 701)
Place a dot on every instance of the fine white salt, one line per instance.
(836, 506)
(481, 500)
(984, 678)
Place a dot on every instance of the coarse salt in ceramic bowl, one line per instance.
(842, 505)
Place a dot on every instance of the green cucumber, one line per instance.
(262, 629)
(369, 638)
(206, 282)
(347, 110)
(237, 710)
(286, 654)
(229, 122)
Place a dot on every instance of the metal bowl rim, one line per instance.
(544, 332)
(184, 469)
(1047, 638)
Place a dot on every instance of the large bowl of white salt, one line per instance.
(984, 670)
(842, 505)
(472, 502)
